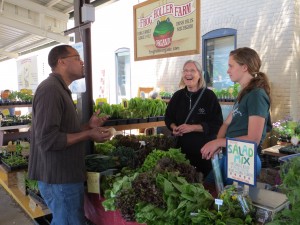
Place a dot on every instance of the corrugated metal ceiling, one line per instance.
(29, 24)
(26, 25)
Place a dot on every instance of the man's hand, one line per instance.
(96, 121)
(100, 134)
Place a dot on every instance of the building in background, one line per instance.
(271, 27)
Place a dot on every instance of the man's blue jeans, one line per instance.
(65, 201)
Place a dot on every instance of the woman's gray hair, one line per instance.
(201, 81)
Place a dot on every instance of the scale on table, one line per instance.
(267, 203)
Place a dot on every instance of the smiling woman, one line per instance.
(192, 118)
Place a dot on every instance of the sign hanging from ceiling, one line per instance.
(166, 29)
(27, 73)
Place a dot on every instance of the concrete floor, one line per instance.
(10, 212)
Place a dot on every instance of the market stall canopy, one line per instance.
(28, 25)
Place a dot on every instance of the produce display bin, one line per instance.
(288, 157)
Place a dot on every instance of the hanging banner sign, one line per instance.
(166, 29)
(241, 161)
(27, 73)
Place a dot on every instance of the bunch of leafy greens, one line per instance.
(230, 212)
(125, 202)
(185, 170)
(143, 189)
(159, 194)
(126, 156)
(104, 148)
(151, 160)
(169, 199)
(131, 141)
(100, 163)
(144, 185)
(120, 183)
(161, 142)
(290, 175)
(181, 199)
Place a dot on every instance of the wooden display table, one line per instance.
(273, 151)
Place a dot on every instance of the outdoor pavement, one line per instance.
(10, 212)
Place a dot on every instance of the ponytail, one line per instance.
(259, 80)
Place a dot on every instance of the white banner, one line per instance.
(27, 73)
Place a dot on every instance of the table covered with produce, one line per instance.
(146, 180)
(151, 182)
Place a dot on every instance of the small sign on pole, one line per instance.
(241, 161)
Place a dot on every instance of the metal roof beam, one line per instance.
(52, 3)
(8, 54)
(34, 30)
(26, 4)
(18, 41)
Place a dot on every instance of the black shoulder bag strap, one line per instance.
(198, 99)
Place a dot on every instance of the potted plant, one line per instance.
(285, 129)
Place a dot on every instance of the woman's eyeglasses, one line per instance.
(192, 71)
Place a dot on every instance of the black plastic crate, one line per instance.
(46, 220)
(43, 220)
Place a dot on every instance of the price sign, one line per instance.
(218, 202)
(241, 161)
(93, 182)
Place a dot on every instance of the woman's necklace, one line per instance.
(190, 97)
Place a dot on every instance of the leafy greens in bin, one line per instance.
(158, 194)
(290, 175)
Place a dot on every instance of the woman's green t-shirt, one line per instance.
(254, 103)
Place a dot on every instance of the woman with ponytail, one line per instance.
(250, 116)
